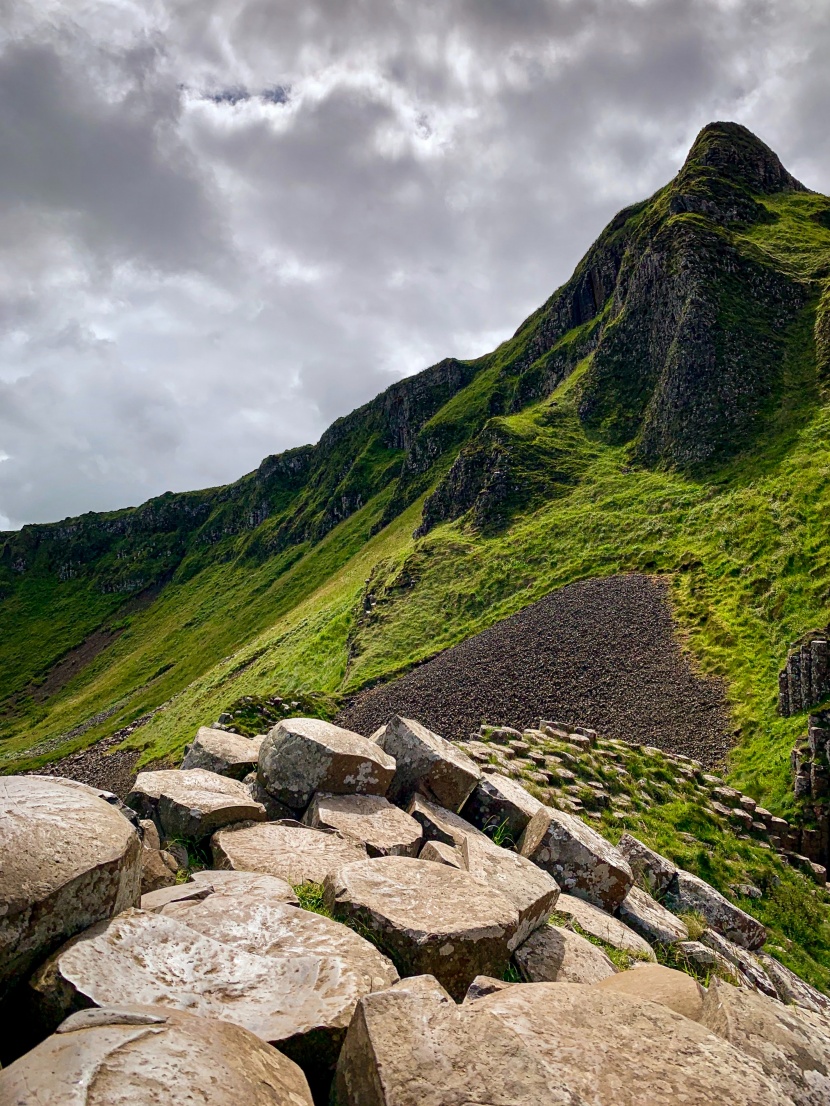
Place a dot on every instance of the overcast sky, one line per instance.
(223, 223)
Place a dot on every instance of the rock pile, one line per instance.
(399, 982)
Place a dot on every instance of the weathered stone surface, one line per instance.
(428, 764)
(791, 988)
(748, 967)
(282, 972)
(651, 920)
(69, 859)
(654, 869)
(274, 810)
(431, 918)
(440, 853)
(531, 890)
(246, 883)
(158, 869)
(303, 755)
(688, 892)
(227, 754)
(99, 792)
(581, 862)
(497, 801)
(194, 803)
(656, 983)
(292, 852)
(557, 1044)
(708, 959)
(371, 820)
(553, 954)
(791, 1045)
(144, 1056)
(604, 926)
(154, 901)
(484, 985)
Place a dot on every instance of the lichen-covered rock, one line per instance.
(371, 820)
(647, 865)
(432, 919)
(192, 803)
(652, 921)
(791, 1045)
(701, 956)
(68, 859)
(499, 802)
(749, 969)
(656, 983)
(205, 882)
(291, 852)
(440, 853)
(227, 754)
(599, 923)
(143, 1055)
(791, 988)
(581, 862)
(552, 954)
(557, 1044)
(100, 792)
(427, 764)
(688, 892)
(300, 756)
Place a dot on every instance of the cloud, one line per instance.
(224, 223)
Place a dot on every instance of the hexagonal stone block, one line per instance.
(647, 865)
(69, 859)
(428, 764)
(300, 756)
(656, 983)
(431, 918)
(688, 892)
(652, 921)
(604, 926)
(498, 802)
(227, 754)
(287, 850)
(581, 862)
(552, 954)
(125, 1054)
(192, 803)
(370, 820)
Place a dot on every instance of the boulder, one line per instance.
(204, 883)
(427, 764)
(289, 851)
(791, 988)
(648, 866)
(300, 756)
(497, 802)
(652, 921)
(142, 1056)
(554, 1043)
(598, 923)
(99, 792)
(274, 810)
(431, 919)
(192, 803)
(69, 859)
(158, 869)
(288, 975)
(708, 960)
(655, 983)
(531, 890)
(227, 754)
(688, 892)
(748, 967)
(370, 820)
(581, 862)
(440, 853)
(552, 954)
(791, 1045)
(154, 901)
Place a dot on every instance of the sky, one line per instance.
(224, 223)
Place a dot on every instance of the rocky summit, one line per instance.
(478, 753)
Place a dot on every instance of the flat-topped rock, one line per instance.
(688, 892)
(581, 862)
(227, 754)
(371, 820)
(497, 802)
(192, 803)
(749, 968)
(289, 851)
(290, 976)
(69, 859)
(143, 1056)
(604, 926)
(647, 865)
(100, 792)
(432, 919)
(652, 921)
(428, 764)
(300, 756)
(557, 1044)
(792, 1045)
(553, 954)
(205, 882)
(655, 983)
(791, 988)
(441, 853)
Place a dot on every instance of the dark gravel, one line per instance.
(601, 653)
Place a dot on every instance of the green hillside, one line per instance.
(665, 411)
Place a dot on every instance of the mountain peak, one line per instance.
(736, 152)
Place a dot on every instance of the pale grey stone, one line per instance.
(227, 754)
(371, 820)
(651, 920)
(598, 923)
(428, 764)
(295, 853)
(192, 803)
(553, 954)
(688, 892)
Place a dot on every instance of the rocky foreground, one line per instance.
(314, 915)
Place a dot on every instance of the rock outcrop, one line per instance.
(192, 803)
